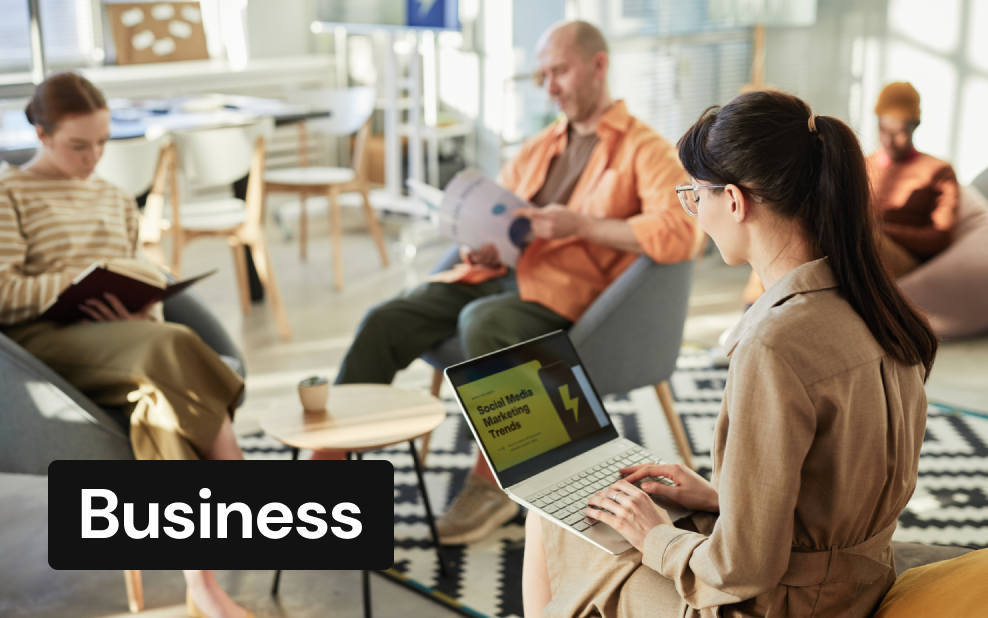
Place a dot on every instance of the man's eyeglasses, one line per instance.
(689, 197)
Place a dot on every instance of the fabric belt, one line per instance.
(860, 563)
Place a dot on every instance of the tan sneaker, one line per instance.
(479, 509)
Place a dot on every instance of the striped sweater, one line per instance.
(51, 230)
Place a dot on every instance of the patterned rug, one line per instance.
(950, 505)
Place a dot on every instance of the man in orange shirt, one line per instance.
(916, 195)
(603, 188)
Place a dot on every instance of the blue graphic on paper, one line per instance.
(519, 230)
(498, 209)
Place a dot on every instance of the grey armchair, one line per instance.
(628, 338)
(45, 418)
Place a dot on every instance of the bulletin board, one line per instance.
(146, 32)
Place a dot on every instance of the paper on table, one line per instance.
(475, 210)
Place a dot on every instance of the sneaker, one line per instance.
(479, 509)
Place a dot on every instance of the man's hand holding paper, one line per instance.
(485, 256)
(553, 221)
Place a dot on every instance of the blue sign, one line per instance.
(440, 14)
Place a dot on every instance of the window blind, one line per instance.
(669, 59)
(66, 28)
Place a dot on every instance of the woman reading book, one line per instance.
(816, 450)
(56, 219)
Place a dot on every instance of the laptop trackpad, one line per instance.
(675, 510)
(608, 538)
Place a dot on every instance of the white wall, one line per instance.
(280, 27)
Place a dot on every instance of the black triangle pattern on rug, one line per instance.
(950, 505)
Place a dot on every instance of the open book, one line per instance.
(136, 285)
(474, 210)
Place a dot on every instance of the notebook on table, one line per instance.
(544, 432)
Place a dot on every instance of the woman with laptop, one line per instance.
(816, 449)
(56, 219)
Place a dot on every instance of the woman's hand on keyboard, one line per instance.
(690, 489)
(628, 510)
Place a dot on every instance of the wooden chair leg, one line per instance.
(675, 423)
(178, 245)
(375, 227)
(265, 272)
(243, 283)
(437, 382)
(303, 226)
(337, 237)
(135, 591)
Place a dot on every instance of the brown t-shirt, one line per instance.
(565, 169)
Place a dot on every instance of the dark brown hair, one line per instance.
(762, 143)
(61, 95)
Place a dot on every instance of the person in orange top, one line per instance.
(915, 195)
(602, 184)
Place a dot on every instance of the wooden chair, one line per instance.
(142, 165)
(218, 157)
(350, 112)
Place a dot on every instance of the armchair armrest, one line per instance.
(630, 336)
(45, 418)
(450, 258)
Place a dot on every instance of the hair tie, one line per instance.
(811, 123)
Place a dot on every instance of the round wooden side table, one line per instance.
(359, 418)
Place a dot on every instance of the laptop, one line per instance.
(544, 432)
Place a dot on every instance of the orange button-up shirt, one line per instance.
(632, 174)
(917, 200)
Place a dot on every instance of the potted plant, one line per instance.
(314, 393)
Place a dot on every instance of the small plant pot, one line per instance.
(314, 393)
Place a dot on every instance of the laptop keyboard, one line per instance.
(567, 500)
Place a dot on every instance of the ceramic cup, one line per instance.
(314, 393)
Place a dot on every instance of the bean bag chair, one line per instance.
(952, 287)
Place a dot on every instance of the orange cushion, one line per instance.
(954, 587)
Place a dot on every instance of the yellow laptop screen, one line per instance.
(529, 409)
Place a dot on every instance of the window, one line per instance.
(669, 59)
(66, 29)
(15, 40)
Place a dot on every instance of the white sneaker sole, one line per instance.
(500, 517)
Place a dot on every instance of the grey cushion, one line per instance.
(911, 555)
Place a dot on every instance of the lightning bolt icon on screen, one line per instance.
(570, 403)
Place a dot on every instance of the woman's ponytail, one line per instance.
(844, 226)
(811, 168)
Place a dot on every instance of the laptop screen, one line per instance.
(531, 406)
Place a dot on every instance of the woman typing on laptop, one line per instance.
(816, 449)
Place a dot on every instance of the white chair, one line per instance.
(350, 111)
(141, 165)
(218, 157)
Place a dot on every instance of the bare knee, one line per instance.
(533, 530)
(536, 591)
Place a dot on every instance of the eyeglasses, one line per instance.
(689, 197)
(690, 200)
